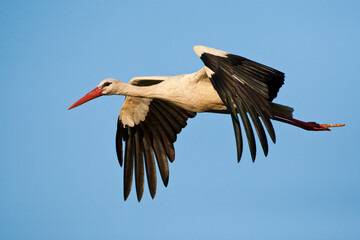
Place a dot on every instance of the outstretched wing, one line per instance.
(245, 87)
(148, 127)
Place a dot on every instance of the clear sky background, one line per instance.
(59, 176)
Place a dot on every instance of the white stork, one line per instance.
(156, 108)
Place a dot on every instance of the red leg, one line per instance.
(311, 126)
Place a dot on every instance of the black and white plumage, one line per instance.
(156, 108)
(245, 87)
(156, 134)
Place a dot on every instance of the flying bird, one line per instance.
(156, 109)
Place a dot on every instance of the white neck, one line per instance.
(154, 91)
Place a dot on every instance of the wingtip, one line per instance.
(126, 193)
(239, 153)
(199, 50)
(266, 153)
(166, 181)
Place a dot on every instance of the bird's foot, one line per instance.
(324, 127)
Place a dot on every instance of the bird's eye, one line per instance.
(106, 84)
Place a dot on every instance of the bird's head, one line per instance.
(106, 87)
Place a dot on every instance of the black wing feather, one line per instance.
(155, 136)
(237, 130)
(149, 164)
(250, 87)
(139, 165)
(128, 167)
(118, 142)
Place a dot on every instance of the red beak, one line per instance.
(97, 92)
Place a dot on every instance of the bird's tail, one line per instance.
(282, 109)
(284, 114)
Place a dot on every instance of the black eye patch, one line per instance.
(106, 84)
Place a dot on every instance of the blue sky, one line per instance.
(59, 177)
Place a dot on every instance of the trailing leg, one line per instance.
(311, 126)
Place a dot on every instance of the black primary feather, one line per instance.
(151, 139)
(250, 87)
